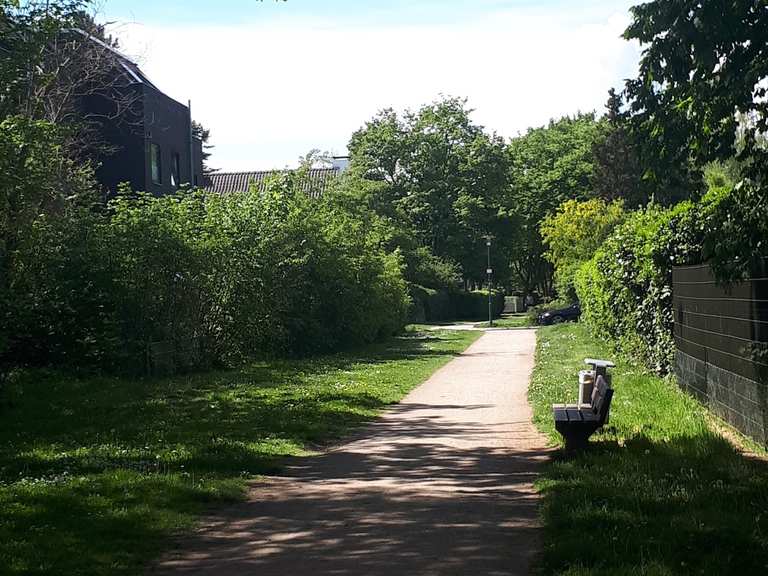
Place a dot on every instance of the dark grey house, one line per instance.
(146, 135)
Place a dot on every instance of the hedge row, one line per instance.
(192, 280)
(625, 290)
(431, 305)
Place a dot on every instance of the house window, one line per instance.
(154, 163)
(175, 163)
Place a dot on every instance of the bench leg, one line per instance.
(577, 440)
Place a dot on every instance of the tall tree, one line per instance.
(618, 174)
(442, 171)
(702, 89)
(548, 166)
(204, 135)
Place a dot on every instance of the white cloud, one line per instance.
(270, 92)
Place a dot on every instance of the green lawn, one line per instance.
(510, 321)
(658, 493)
(96, 474)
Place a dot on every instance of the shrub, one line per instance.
(190, 280)
(49, 311)
(474, 305)
(573, 234)
(625, 290)
(439, 305)
(426, 269)
(430, 305)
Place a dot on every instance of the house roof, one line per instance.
(132, 70)
(314, 184)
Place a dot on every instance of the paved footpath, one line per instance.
(440, 484)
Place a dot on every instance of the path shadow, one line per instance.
(98, 472)
(399, 500)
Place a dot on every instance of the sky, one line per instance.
(274, 79)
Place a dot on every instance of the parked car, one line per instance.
(571, 312)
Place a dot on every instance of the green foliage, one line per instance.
(618, 169)
(574, 233)
(736, 224)
(658, 492)
(430, 305)
(190, 280)
(368, 202)
(548, 166)
(439, 305)
(45, 201)
(426, 269)
(474, 305)
(625, 289)
(442, 177)
(701, 87)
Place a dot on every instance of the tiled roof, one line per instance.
(315, 183)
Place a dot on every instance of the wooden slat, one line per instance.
(589, 416)
(598, 393)
(574, 415)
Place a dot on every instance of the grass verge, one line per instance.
(96, 474)
(510, 321)
(658, 492)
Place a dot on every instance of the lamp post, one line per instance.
(489, 271)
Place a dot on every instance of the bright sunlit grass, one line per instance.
(96, 474)
(511, 321)
(658, 493)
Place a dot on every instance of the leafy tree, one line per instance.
(204, 135)
(548, 166)
(390, 225)
(441, 172)
(618, 173)
(316, 158)
(701, 90)
(702, 93)
(574, 233)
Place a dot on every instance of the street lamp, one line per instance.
(489, 271)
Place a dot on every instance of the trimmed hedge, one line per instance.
(429, 305)
(474, 305)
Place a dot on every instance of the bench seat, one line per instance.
(584, 406)
(576, 423)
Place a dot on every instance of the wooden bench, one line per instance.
(576, 423)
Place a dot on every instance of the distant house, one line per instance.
(316, 183)
(148, 135)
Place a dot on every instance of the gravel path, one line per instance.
(440, 484)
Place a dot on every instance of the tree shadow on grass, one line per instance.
(93, 473)
(417, 494)
(687, 505)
